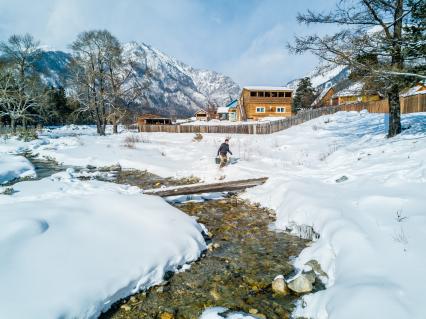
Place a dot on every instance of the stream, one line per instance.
(243, 257)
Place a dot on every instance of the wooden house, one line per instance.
(232, 110)
(228, 112)
(420, 88)
(222, 113)
(324, 98)
(354, 93)
(152, 119)
(201, 115)
(257, 102)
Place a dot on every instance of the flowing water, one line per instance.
(237, 270)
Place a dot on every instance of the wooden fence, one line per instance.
(246, 128)
(410, 104)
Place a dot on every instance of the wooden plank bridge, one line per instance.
(207, 187)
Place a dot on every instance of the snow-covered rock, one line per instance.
(217, 313)
(13, 167)
(279, 285)
(301, 284)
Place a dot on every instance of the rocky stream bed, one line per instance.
(236, 272)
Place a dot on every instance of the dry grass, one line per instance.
(130, 141)
(198, 137)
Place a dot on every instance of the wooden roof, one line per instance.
(267, 88)
(200, 111)
(151, 116)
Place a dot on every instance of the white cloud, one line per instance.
(267, 62)
(243, 39)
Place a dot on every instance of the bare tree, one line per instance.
(123, 89)
(371, 42)
(91, 54)
(103, 80)
(18, 101)
(21, 89)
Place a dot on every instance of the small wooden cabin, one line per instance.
(201, 115)
(257, 102)
(152, 119)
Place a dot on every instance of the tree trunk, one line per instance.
(397, 64)
(13, 124)
(394, 112)
(115, 128)
(24, 124)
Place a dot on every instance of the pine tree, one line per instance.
(304, 96)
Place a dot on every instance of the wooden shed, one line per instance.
(257, 102)
(201, 115)
(152, 119)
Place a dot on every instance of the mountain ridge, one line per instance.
(174, 88)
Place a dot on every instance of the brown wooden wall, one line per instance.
(409, 104)
(326, 100)
(250, 103)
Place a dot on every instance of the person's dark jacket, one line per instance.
(224, 149)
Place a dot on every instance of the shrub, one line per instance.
(130, 141)
(198, 137)
(27, 135)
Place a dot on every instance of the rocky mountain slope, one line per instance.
(172, 87)
(321, 80)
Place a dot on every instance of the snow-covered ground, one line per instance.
(69, 249)
(13, 167)
(371, 223)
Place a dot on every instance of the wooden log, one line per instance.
(207, 188)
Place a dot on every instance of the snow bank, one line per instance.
(371, 223)
(12, 167)
(69, 249)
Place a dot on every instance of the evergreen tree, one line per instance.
(304, 96)
(57, 111)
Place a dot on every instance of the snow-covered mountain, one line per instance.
(172, 87)
(322, 80)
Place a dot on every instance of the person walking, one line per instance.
(223, 153)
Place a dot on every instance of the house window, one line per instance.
(274, 94)
(260, 109)
(287, 94)
(260, 94)
(267, 94)
(252, 93)
(280, 94)
(280, 109)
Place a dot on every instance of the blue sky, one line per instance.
(245, 39)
